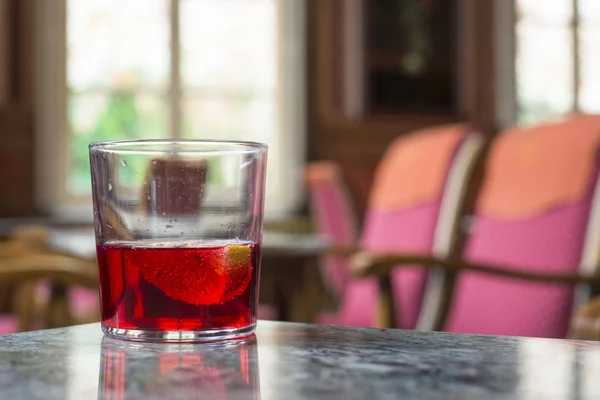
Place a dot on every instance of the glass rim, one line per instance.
(178, 146)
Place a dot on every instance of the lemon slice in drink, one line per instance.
(238, 270)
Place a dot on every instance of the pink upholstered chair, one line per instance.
(538, 211)
(419, 189)
(8, 324)
(334, 217)
(535, 236)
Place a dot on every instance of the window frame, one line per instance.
(506, 101)
(52, 153)
(507, 17)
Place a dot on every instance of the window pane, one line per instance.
(118, 43)
(229, 43)
(118, 115)
(250, 118)
(589, 95)
(549, 12)
(589, 56)
(544, 71)
(589, 11)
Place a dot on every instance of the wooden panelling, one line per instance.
(478, 77)
(16, 162)
(4, 43)
(16, 117)
(340, 135)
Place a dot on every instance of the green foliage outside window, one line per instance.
(122, 119)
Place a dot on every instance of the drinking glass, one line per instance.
(178, 236)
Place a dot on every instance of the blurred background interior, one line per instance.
(433, 163)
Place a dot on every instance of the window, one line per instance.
(557, 58)
(125, 69)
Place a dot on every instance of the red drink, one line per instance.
(189, 286)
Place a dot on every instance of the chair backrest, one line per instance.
(537, 211)
(333, 214)
(417, 196)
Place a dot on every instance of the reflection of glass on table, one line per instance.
(219, 370)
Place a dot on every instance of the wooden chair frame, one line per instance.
(365, 264)
(25, 259)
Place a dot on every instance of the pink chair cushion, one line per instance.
(334, 218)
(8, 324)
(359, 305)
(83, 300)
(411, 231)
(492, 305)
(537, 169)
(415, 167)
(267, 312)
(402, 217)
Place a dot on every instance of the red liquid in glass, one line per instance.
(188, 287)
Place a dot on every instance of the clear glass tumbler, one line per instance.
(178, 234)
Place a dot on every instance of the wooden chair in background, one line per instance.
(586, 322)
(39, 283)
(533, 250)
(334, 216)
(419, 193)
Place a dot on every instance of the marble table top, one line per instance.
(296, 361)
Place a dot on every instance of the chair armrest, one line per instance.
(585, 324)
(367, 264)
(58, 268)
(22, 272)
(342, 251)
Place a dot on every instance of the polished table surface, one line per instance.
(297, 361)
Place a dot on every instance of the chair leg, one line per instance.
(446, 301)
(386, 316)
(59, 313)
(25, 305)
